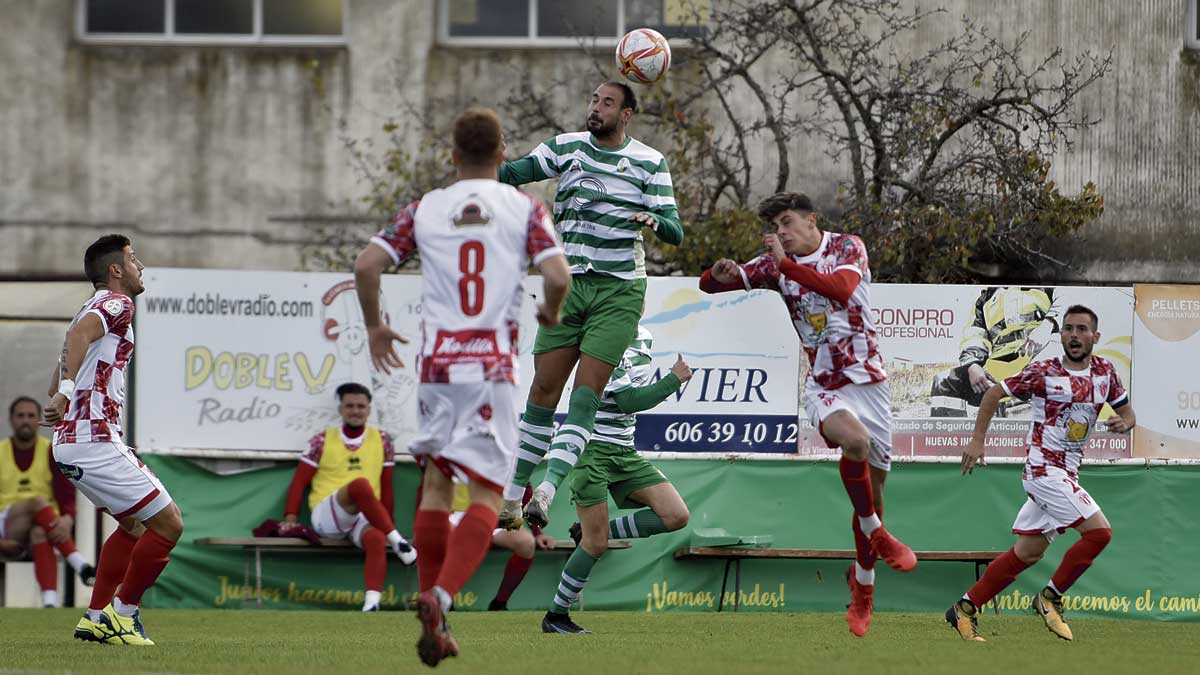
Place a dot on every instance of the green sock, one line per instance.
(573, 435)
(537, 427)
(574, 576)
(644, 523)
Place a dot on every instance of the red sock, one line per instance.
(857, 479)
(111, 567)
(1080, 557)
(146, 562)
(1002, 572)
(45, 518)
(514, 573)
(863, 552)
(468, 545)
(369, 505)
(45, 566)
(375, 569)
(431, 532)
(66, 547)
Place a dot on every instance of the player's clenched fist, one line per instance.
(681, 369)
(725, 271)
(548, 317)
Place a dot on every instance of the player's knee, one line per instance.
(856, 446)
(37, 535)
(525, 545)
(1100, 536)
(357, 485)
(676, 519)
(169, 523)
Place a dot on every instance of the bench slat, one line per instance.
(698, 552)
(295, 543)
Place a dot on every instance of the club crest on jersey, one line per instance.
(472, 211)
(623, 165)
(574, 166)
(1101, 390)
(113, 306)
(1077, 429)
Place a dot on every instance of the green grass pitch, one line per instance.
(330, 643)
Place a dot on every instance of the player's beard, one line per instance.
(24, 433)
(1084, 352)
(599, 128)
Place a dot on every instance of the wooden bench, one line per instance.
(255, 546)
(734, 555)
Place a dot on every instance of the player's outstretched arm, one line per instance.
(556, 281)
(539, 164)
(638, 399)
(368, 274)
(724, 276)
(85, 331)
(987, 410)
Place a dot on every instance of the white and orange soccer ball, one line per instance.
(643, 56)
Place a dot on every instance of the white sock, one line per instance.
(548, 488)
(870, 523)
(393, 538)
(94, 614)
(76, 561)
(371, 601)
(124, 609)
(444, 598)
(864, 577)
(49, 598)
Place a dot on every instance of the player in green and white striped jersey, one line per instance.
(611, 465)
(610, 188)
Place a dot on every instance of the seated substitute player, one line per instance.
(87, 391)
(523, 544)
(350, 468)
(825, 281)
(1067, 396)
(37, 503)
(476, 238)
(1010, 326)
(610, 464)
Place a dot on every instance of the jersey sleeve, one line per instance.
(1117, 396)
(1030, 382)
(540, 164)
(540, 241)
(398, 237)
(851, 254)
(762, 272)
(316, 446)
(116, 313)
(389, 449)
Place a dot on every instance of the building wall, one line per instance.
(235, 157)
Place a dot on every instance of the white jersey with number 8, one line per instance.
(476, 239)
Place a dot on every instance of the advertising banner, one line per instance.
(1166, 386)
(743, 498)
(250, 360)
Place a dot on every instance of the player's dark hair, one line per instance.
(784, 201)
(105, 251)
(352, 388)
(628, 97)
(12, 407)
(477, 135)
(1080, 309)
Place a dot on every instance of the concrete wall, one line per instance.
(233, 157)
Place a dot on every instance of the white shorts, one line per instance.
(457, 516)
(870, 403)
(1056, 502)
(331, 521)
(470, 429)
(109, 475)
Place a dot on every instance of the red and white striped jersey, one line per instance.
(1066, 405)
(94, 412)
(477, 239)
(840, 339)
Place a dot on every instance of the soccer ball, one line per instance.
(643, 56)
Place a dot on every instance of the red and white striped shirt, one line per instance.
(94, 412)
(1066, 405)
(839, 338)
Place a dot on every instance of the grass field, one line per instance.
(214, 641)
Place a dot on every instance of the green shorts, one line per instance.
(600, 317)
(606, 468)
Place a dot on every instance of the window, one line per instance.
(1191, 33)
(200, 22)
(564, 23)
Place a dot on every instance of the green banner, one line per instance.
(1146, 572)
